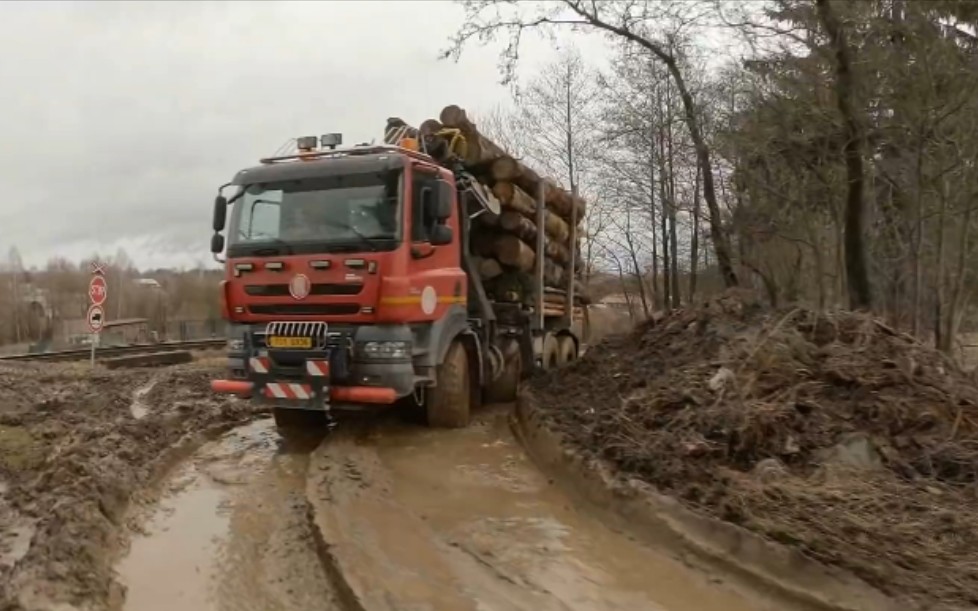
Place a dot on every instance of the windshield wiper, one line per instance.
(364, 239)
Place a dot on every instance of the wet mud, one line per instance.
(425, 519)
(73, 456)
(231, 531)
(383, 515)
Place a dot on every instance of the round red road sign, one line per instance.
(98, 290)
(95, 318)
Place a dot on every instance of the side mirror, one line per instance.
(444, 201)
(220, 212)
(217, 243)
(441, 235)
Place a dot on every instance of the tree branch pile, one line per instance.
(505, 244)
(831, 432)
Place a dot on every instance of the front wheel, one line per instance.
(449, 401)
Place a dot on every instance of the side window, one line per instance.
(421, 222)
(262, 221)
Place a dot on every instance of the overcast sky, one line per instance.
(120, 120)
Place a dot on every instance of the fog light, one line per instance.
(386, 350)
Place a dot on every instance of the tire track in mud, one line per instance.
(462, 520)
(232, 529)
(382, 516)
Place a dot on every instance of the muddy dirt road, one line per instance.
(382, 516)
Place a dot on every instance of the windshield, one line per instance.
(355, 212)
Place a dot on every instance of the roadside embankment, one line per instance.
(823, 455)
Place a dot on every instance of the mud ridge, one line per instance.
(78, 463)
(662, 520)
(331, 564)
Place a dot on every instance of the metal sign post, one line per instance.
(98, 292)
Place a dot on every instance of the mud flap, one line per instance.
(312, 392)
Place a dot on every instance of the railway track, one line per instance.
(115, 351)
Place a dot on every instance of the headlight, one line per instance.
(235, 345)
(386, 350)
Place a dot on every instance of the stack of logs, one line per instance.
(504, 245)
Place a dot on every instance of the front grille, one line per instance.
(290, 365)
(282, 290)
(306, 309)
(337, 335)
(288, 328)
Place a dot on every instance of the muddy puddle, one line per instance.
(383, 516)
(232, 531)
(431, 520)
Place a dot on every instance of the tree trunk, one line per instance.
(633, 256)
(941, 341)
(694, 238)
(674, 254)
(860, 292)
(664, 216)
(656, 293)
(958, 294)
(720, 242)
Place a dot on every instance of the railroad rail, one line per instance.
(114, 351)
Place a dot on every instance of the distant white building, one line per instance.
(148, 283)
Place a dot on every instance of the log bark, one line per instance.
(523, 227)
(488, 267)
(507, 169)
(479, 149)
(512, 251)
(511, 196)
(562, 202)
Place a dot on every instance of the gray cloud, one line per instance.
(121, 119)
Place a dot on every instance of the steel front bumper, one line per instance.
(313, 387)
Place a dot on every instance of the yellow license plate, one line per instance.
(303, 343)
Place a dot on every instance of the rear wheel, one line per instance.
(506, 387)
(551, 350)
(566, 350)
(449, 401)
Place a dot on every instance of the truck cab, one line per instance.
(347, 286)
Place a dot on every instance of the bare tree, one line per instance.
(860, 293)
(553, 124)
(628, 21)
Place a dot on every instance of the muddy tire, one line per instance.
(448, 404)
(566, 350)
(293, 422)
(506, 387)
(551, 351)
